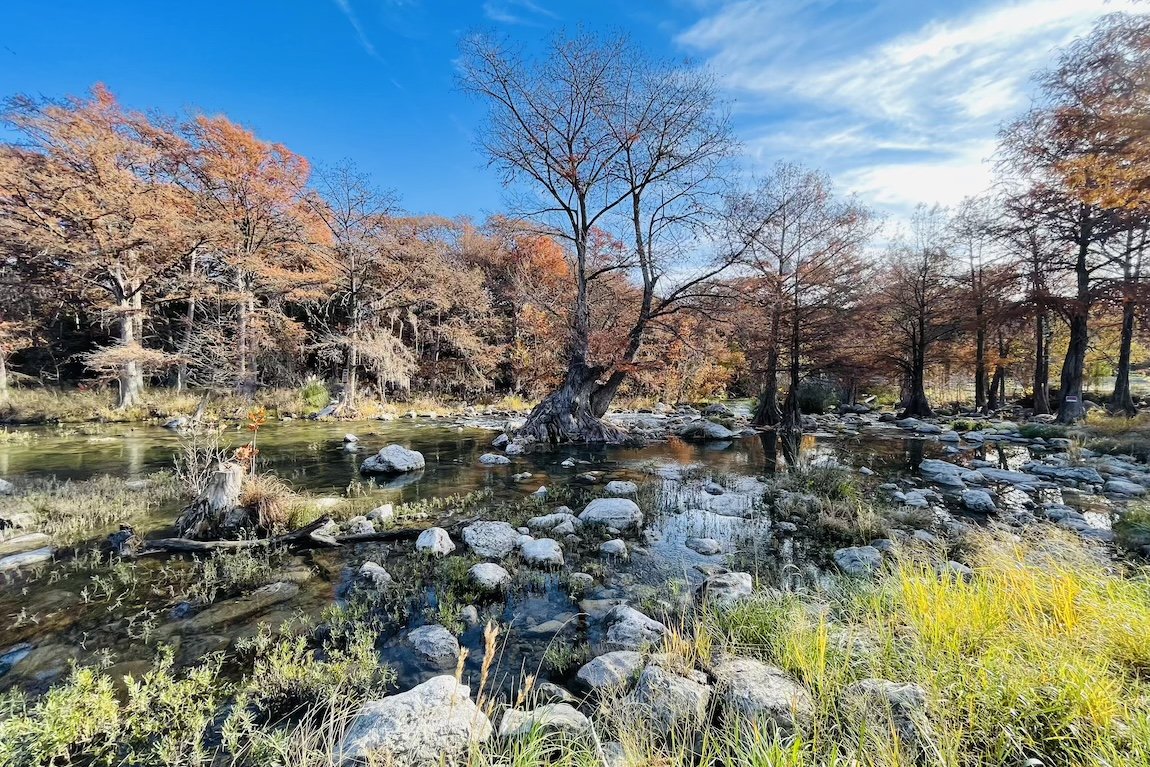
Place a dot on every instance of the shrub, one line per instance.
(315, 394)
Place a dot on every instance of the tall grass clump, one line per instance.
(1040, 655)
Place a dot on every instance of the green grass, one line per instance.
(1040, 655)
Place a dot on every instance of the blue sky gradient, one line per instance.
(898, 100)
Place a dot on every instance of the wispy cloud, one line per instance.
(900, 112)
(518, 12)
(349, 14)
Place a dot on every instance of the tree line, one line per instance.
(141, 249)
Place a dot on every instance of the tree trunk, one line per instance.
(767, 413)
(572, 413)
(980, 402)
(1122, 399)
(4, 395)
(131, 379)
(792, 421)
(1070, 407)
(1041, 365)
(916, 403)
(213, 514)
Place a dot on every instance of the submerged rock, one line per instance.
(27, 558)
(494, 540)
(494, 459)
(423, 726)
(234, 610)
(373, 574)
(619, 513)
(763, 694)
(706, 430)
(393, 459)
(436, 644)
(704, 546)
(435, 541)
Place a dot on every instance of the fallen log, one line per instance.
(305, 537)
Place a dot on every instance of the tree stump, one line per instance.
(216, 513)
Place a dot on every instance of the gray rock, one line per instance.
(629, 629)
(436, 644)
(436, 541)
(548, 521)
(620, 513)
(704, 546)
(611, 672)
(26, 542)
(764, 694)
(543, 552)
(616, 547)
(373, 574)
(671, 702)
(470, 616)
(1124, 487)
(706, 430)
(6, 487)
(978, 501)
(725, 588)
(885, 707)
(858, 560)
(423, 726)
(547, 692)
(621, 487)
(552, 717)
(494, 459)
(494, 540)
(393, 459)
(382, 514)
(489, 577)
(26, 559)
(241, 608)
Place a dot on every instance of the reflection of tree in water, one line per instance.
(783, 450)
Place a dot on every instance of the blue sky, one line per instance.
(898, 99)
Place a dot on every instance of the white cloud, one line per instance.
(899, 112)
(346, 9)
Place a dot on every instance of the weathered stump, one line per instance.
(216, 513)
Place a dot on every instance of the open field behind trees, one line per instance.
(144, 252)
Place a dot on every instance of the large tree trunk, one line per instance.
(1122, 399)
(1070, 407)
(792, 421)
(916, 403)
(131, 379)
(767, 413)
(573, 412)
(1041, 365)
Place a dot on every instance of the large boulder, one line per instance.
(494, 540)
(978, 501)
(435, 541)
(629, 629)
(552, 717)
(1124, 487)
(754, 691)
(423, 726)
(672, 702)
(393, 459)
(619, 513)
(613, 671)
(544, 552)
(435, 644)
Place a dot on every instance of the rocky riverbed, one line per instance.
(590, 565)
